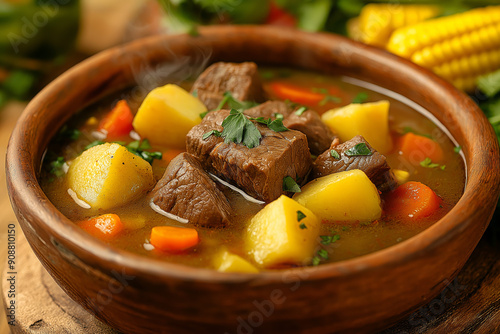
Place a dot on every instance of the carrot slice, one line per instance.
(297, 94)
(412, 200)
(416, 148)
(118, 122)
(173, 239)
(170, 153)
(104, 227)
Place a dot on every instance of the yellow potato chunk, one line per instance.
(370, 120)
(276, 236)
(228, 262)
(108, 175)
(167, 114)
(347, 196)
(401, 175)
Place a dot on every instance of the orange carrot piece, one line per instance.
(173, 239)
(416, 148)
(412, 200)
(297, 94)
(104, 227)
(170, 153)
(118, 122)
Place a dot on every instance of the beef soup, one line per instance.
(248, 169)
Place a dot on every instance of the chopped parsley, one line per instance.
(67, 133)
(359, 149)
(234, 103)
(195, 93)
(277, 115)
(329, 239)
(139, 148)
(323, 253)
(57, 167)
(457, 149)
(360, 98)
(290, 185)
(211, 132)
(427, 163)
(300, 215)
(276, 125)
(329, 98)
(300, 111)
(302, 226)
(203, 114)
(237, 129)
(334, 154)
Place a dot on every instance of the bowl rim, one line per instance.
(23, 182)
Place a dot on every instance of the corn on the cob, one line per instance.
(459, 47)
(378, 21)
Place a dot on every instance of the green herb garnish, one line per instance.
(335, 154)
(360, 98)
(359, 149)
(67, 133)
(276, 125)
(319, 90)
(203, 114)
(57, 167)
(211, 132)
(323, 253)
(427, 163)
(195, 93)
(300, 111)
(139, 148)
(300, 215)
(290, 185)
(234, 103)
(329, 98)
(302, 226)
(329, 239)
(315, 261)
(457, 149)
(277, 115)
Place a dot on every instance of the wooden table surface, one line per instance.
(470, 304)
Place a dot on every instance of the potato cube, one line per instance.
(108, 175)
(347, 196)
(167, 114)
(282, 232)
(228, 262)
(370, 120)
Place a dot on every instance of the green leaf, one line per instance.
(277, 126)
(300, 111)
(323, 253)
(360, 149)
(290, 185)
(427, 163)
(57, 167)
(277, 115)
(312, 15)
(195, 93)
(234, 103)
(300, 215)
(302, 226)
(203, 114)
(329, 98)
(315, 261)
(329, 239)
(211, 132)
(457, 149)
(335, 154)
(360, 98)
(19, 83)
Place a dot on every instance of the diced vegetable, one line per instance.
(174, 239)
(370, 120)
(378, 21)
(167, 114)
(104, 227)
(401, 175)
(301, 95)
(108, 175)
(118, 122)
(412, 200)
(345, 196)
(275, 236)
(228, 262)
(416, 148)
(279, 17)
(459, 47)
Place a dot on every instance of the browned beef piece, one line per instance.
(319, 136)
(375, 166)
(242, 80)
(258, 171)
(187, 191)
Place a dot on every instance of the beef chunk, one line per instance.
(242, 80)
(375, 166)
(258, 171)
(187, 191)
(319, 136)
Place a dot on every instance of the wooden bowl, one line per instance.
(136, 294)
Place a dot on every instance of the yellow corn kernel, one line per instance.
(378, 21)
(459, 47)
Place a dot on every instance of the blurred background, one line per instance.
(39, 39)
